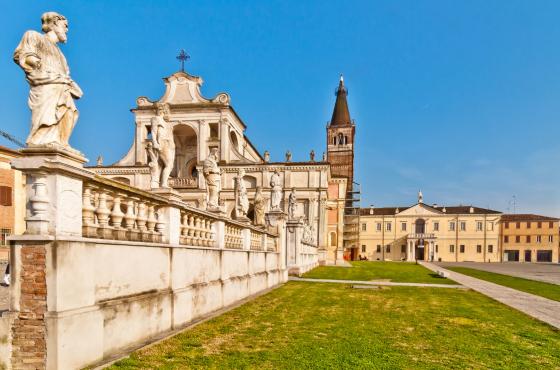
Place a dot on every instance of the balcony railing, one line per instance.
(182, 182)
(421, 236)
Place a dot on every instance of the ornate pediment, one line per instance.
(420, 209)
(182, 88)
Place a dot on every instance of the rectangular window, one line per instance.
(363, 248)
(364, 227)
(403, 227)
(463, 226)
(518, 239)
(528, 239)
(5, 196)
(388, 226)
(506, 225)
(506, 239)
(479, 249)
(539, 225)
(403, 248)
(539, 239)
(378, 226)
(436, 226)
(490, 226)
(451, 249)
(479, 225)
(5, 234)
(437, 248)
(461, 249)
(551, 225)
(518, 225)
(490, 249)
(378, 249)
(551, 239)
(452, 226)
(388, 248)
(529, 225)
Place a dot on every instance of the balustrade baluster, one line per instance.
(130, 219)
(141, 221)
(117, 216)
(89, 228)
(104, 231)
(151, 223)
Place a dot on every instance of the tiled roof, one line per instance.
(448, 210)
(6, 149)
(527, 217)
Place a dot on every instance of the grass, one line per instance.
(546, 290)
(304, 325)
(398, 272)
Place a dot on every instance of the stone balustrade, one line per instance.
(421, 236)
(256, 243)
(196, 230)
(182, 182)
(233, 236)
(114, 211)
(271, 243)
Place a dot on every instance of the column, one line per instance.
(431, 251)
(224, 141)
(435, 249)
(408, 250)
(413, 250)
(322, 223)
(202, 136)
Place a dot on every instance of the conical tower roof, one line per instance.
(341, 114)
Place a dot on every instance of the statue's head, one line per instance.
(214, 153)
(241, 172)
(162, 109)
(56, 23)
(259, 189)
(293, 190)
(277, 171)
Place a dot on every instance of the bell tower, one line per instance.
(340, 137)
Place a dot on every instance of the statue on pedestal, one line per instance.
(241, 198)
(162, 148)
(288, 156)
(275, 191)
(312, 156)
(324, 156)
(266, 156)
(99, 161)
(213, 179)
(259, 207)
(52, 91)
(420, 197)
(292, 204)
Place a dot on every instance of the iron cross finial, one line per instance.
(183, 57)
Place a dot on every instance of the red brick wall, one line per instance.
(28, 330)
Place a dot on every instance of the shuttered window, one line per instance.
(5, 196)
(528, 240)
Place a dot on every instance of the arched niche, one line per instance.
(234, 140)
(186, 149)
(333, 239)
(250, 182)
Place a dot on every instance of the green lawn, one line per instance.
(304, 325)
(397, 272)
(546, 290)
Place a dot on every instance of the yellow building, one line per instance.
(422, 232)
(529, 238)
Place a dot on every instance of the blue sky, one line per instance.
(456, 98)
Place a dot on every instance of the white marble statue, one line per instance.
(292, 204)
(241, 198)
(266, 156)
(275, 191)
(52, 91)
(259, 207)
(288, 156)
(324, 156)
(312, 156)
(163, 145)
(306, 233)
(420, 197)
(100, 161)
(213, 179)
(313, 236)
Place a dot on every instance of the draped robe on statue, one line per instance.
(52, 91)
(275, 192)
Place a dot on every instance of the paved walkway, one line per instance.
(375, 283)
(541, 308)
(545, 272)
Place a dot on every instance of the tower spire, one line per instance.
(341, 114)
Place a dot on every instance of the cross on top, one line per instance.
(183, 57)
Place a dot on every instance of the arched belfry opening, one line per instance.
(186, 149)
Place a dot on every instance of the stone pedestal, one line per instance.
(167, 193)
(244, 219)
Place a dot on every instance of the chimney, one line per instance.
(435, 205)
(371, 209)
(471, 210)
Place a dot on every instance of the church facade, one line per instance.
(201, 125)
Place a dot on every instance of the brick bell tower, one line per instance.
(340, 154)
(340, 137)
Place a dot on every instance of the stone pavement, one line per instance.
(545, 272)
(541, 308)
(292, 278)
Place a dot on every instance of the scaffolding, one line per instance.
(351, 223)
